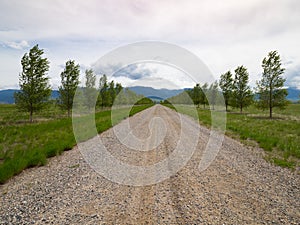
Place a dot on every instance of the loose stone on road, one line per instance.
(239, 187)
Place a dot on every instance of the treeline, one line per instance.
(234, 89)
(35, 89)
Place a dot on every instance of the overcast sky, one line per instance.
(223, 34)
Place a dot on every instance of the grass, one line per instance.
(9, 114)
(279, 137)
(24, 145)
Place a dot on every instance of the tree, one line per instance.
(69, 84)
(185, 97)
(112, 92)
(270, 87)
(103, 89)
(119, 88)
(242, 95)
(213, 94)
(196, 95)
(34, 84)
(204, 94)
(90, 91)
(226, 85)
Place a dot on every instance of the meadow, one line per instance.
(24, 145)
(279, 137)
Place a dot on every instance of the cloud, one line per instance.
(155, 75)
(292, 75)
(12, 86)
(224, 34)
(205, 20)
(134, 72)
(17, 45)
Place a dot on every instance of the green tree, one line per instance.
(119, 88)
(90, 91)
(34, 84)
(270, 87)
(204, 94)
(242, 95)
(213, 94)
(69, 84)
(112, 92)
(104, 97)
(185, 97)
(144, 101)
(226, 85)
(196, 95)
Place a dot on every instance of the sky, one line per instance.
(223, 34)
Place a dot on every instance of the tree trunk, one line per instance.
(271, 111)
(69, 112)
(226, 107)
(241, 109)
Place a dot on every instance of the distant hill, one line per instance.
(158, 94)
(7, 96)
(293, 94)
(155, 99)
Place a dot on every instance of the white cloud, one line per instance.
(224, 34)
(12, 86)
(156, 75)
(292, 74)
(17, 45)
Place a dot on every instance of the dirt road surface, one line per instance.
(239, 187)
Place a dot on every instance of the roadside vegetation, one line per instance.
(48, 132)
(38, 127)
(260, 117)
(24, 145)
(279, 137)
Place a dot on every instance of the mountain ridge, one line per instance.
(7, 96)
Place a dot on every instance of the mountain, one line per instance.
(293, 94)
(7, 96)
(155, 94)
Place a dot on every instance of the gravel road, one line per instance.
(239, 187)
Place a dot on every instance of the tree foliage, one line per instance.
(144, 101)
(242, 95)
(128, 97)
(213, 94)
(34, 84)
(90, 91)
(69, 84)
(103, 94)
(112, 92)
(270, 87)
(108, 92)
(196, 95)
(204, 100)
(185, 97)
(226, 85)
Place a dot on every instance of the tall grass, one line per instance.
(28, 145)
(279, 137)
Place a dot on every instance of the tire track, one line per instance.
(239, 187)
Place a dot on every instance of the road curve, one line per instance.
(239, 187)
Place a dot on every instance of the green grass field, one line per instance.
(279, 137)
(24, 145)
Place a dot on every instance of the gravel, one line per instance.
(239, 187)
